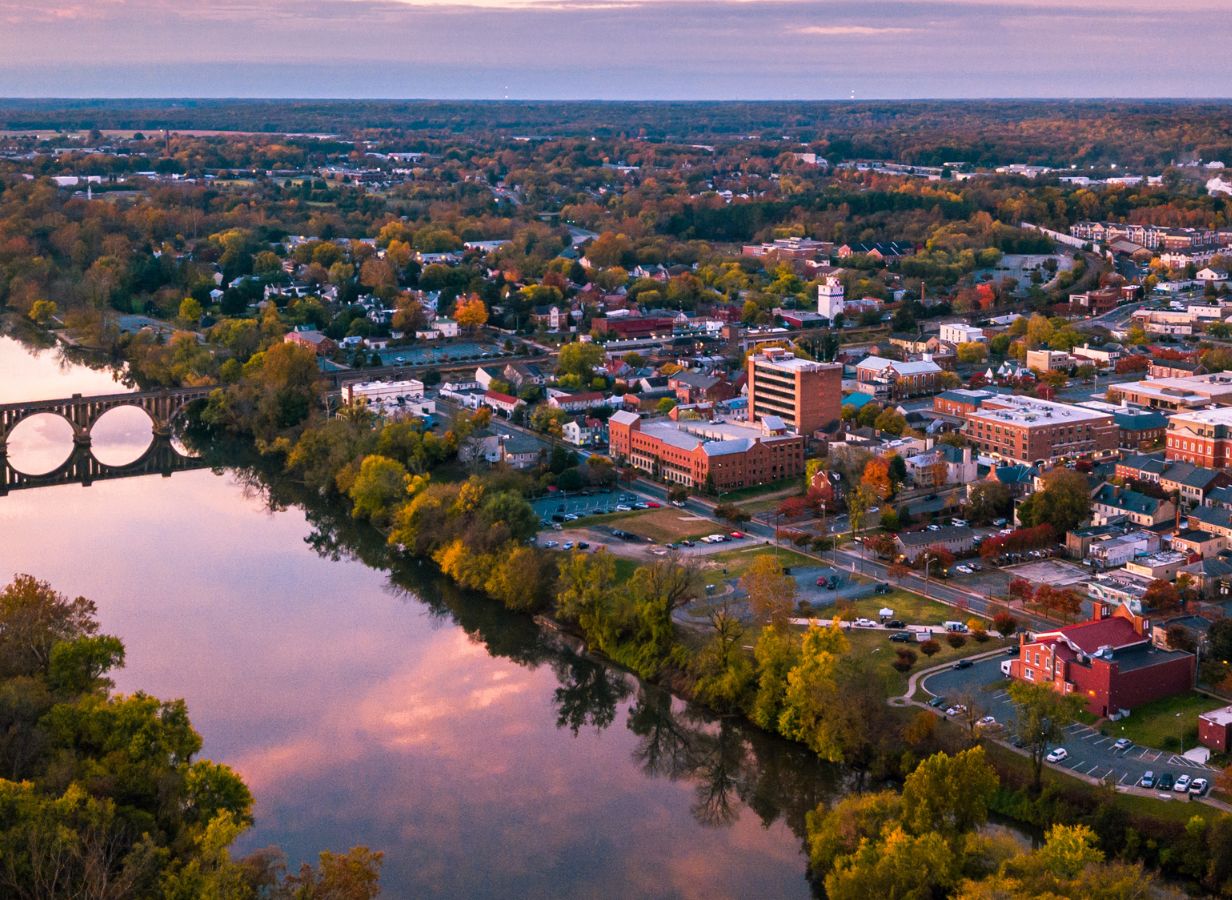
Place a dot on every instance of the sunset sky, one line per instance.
(615, 49)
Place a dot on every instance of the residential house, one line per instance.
(502, 403)
(314, 340)
(954, 464)
(1111, 501)
(912, 545)
(1112, 550)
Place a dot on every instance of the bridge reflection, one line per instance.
(82, 467)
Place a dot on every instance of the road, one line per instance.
(1091, 754)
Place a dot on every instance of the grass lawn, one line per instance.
(738, 561)
(625, 568)
(1165, 723)
(910, 608)
(760, 490)
(877, 646)
(664, 525)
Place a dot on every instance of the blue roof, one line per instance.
(858, 399)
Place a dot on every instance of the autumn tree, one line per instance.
(470, 312)
(771, 592)
(876, 477)
(1041, 717)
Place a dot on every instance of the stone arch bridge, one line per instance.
(82, 413)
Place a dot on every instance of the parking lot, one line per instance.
(576, 504)
(1090, 753)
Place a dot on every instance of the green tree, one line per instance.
(898, 866)
(721, 671)
(949, 794)
(1064, 502)
(776, 653)
(34, 618)
(771, 592)
(381, 483)
(1040, 719)
(579, 358)
(811, 702)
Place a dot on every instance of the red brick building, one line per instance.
(1110, 661)
(806, 395)
(960, 401)
(1203, 438)
(1027, 430)
(713, 455)
(1215, 729)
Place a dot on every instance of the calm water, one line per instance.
(365, 706)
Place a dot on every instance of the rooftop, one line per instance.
(1020, 410)
(1222, 716)
(1113, 631)
(785, 359)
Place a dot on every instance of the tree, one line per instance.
(579, 358)
(1161, 596)
(34, 618)
(1040, 719)
(1005, 623)
(987, 501)
(772, 594)
(930, 647)
(876, 478)
(890, 421)
(43, 311)
(949, 795)
(972, 353)
(859, 502)
(190, 312)
(1064, 502)
(380, 484)
(899, 865)
(811, 705)
(471, 313)
(721, 670)
(776, 653)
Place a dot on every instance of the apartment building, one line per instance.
(805, 395)
(1027, 430)
(1187, 393)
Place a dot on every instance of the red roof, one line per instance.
(500, 398)
(1113, 632)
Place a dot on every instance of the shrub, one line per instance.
(980, 635)
(930, 647)
(907, 656)
(901, 664)
(955, 640)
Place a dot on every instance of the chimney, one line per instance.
(1100, 611)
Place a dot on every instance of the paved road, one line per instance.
(1090, 753)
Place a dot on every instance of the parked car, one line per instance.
(679, 504)
(881, 588)
(1165, 782)
(1058, 755)
(901, 637)
(1198, 787)
(1182, 785)
(987, 722)
(650, 504)
(737, 534)
(866, 623)
(1148, 779)
(934, 528)
(955, 709)
(963, 664)
(937, 702)
(550, 544)
(1122, 744)
(959, 523)
(895, 623)
(623, 507)
(582, 545)
(567, 545)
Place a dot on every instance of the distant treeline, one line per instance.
(1150, 133)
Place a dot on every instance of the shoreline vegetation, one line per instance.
(810, 689)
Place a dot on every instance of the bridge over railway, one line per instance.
(82, 413)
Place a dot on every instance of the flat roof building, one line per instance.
(805, 395)
(1203, 438)
(1027, 430)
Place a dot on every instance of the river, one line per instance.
(366, 702)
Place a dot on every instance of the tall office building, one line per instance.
(806, 395)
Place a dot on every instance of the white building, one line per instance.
(380, 391)
(830, 297)
(961, 333)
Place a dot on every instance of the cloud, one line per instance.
(850, 30)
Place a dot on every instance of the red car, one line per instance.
(650, 504)
(737, 534)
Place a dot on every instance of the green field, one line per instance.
(664, 525)
(736, 562)
(877, 646)
(1166, 723)
(910, 608)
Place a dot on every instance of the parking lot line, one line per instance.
(1091, 770)
(1124, 775)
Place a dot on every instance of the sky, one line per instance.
(615, 49)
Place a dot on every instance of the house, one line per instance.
(485, 375)
(312, 339)
(1195, 631)
(1104, 356)
(912, 545)
(521, 374)
(1212, 577)
(516, 450)
(1214, 520)
(1140, 429)
(574, 403)
(1196, 544)
(961, 333)
(1194, 484)
(696, 387)
(1109, 661)
(1112, 550)
(959, 467)
(886, 250)
(581, 431)
(1111, 501)
(502, 403)
(1210, 275)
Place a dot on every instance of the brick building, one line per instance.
(1109, 661)
(1203, 438)
(715, 455)
(960, 401)
(889, 379)
(1215, 729)
(806, 395)
(1027, 430)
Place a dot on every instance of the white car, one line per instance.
(1057, 755)
(1197, 787)
(1182, 785)
(955, 710)
(987, 722)
(568, 545)
(550, 544)
(866, 623)
(965, 570)
(623, 507)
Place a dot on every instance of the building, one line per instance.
(805, 395)
(1109, 661)
(1097, 302)
(830, 298)
(925, 469)
(1194, 484)
(1140, 429)
(1110, 551)
(1156, 566)
(502, 403)
(698, 387)
(1188, 393)
(961, 333)
(1215, 729)
(890, 379)
(312, 339)
(1050, 361)
(575, 403)
(912, 545)
(960, 401)
(1112, 502)
(716, 455)
(1203, 438)
(1104, 356)
(1027, 430)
